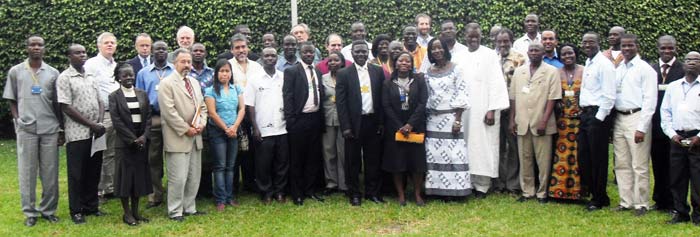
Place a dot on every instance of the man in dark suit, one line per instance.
(304, 115)
(668, 69)
(143, 47)
(361, 120)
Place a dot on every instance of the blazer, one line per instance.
(121, 117)
(675, 72)
(135, 62)
(349, 99)
(417, 98)
(295, 92)
(177, 111)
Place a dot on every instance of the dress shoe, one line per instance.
(355, 201)
(299, 201)
(178, 218)
(196, 213)
(30, 221)
(593, 207)
(619, 208)
(234, 203)
(78, 218)
(153, 204)
(641, 211)
(678, 218)
(376, 199)
(220, 207)
(129, 221)
(542, 200)
(280, 198)
(479, 195)
(95, 213)
(141, 219)
(267, 200)
(420, 203)
(523, 199)
(316, 197)
(656, 207)
(329, 191)
(50, 218)
(402, 203)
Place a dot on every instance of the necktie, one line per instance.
(144, 63)
(188, 86)
(664, 72)
(313, 84)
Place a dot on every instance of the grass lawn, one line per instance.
(497, 215)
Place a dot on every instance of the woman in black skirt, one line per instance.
(404, 99)
(131, 116)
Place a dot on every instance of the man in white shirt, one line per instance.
(357, 32)
(596, 100)
(423, 22)
(634, 104)
(680, 121)
(102, 66)
(263, 99)
(532, 34)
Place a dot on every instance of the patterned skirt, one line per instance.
(565, 182)
(446, 156)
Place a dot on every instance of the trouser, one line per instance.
(83, 176)
(481, 183)
(272, 165)
(106, 185)
(37, 154)
(155, 161)
(534, 149)
(245, 162)
(631, 162)
(305, 158)
(223, 150)
(685, 169)
(508, 163)
(334, 158)
(364, 149)
(593, 156)
(660, 150)
(184, 172)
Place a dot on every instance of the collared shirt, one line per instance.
(598, 85)
(347, 52)
(636, 88)
(35, 110)
(205, 77)
(282, 63)
(148, 80)
(317, 55)
(554, 60)
(365, 89)
(423, 42)
(531, 93)
(509, 64)
(103, 69)
(680, 109)
(419, 55)
(226, 103)
(265, 94)
(242, 75)
(82, 93)
(141, 60)
(523, 43)
(309, 106)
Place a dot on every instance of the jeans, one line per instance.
(223, 150)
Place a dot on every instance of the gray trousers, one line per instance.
(184, 171)
(334, 157)
(508, 164)
(155, 161)
(106, 185)
(37, 155)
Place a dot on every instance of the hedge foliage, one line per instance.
(62, 22)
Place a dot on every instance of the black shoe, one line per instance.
(593, 207)
(78, 218)
(153, 204)
(420, 203)
(196, 213)
(523, 199)
(316, 197)
(620, 208)
(280, 198)
(329, 191)
(178, 218)
(30, 221)
(641, 211)
(299, 201)
(479, 195)
(355, 201)
(678, 218)
(50, 218)
(95, 213)
(542, 200)
(657, 207)
(376, 199)
(141, 219)
(129, 221)
(402, 203)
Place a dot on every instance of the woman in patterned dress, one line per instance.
(445, 148)
(565, 182)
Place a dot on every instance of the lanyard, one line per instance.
(32, 73)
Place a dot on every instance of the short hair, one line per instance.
(268, 48)
(597, 36)
(119, 66)
(143, 35)
(556, 36)
(179, 51)
(447, 21)
(195, 44)
(375, 43)
(508, 32)
(340, 55)
(239, 27)
(328, 38)
(26, 42)
(68, 50)
(184, 29)
(664, 38)
(445, 48)
(103, 35)
(238, 37)
(306, 43)
(533, 14)
(304, 26)
(357, 42)
(632, 37)
(422, 15)
(270, 33)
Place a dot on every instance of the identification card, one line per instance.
(683, 107)
(569, 93)
(157, 87)
(333, 98)
(526, 90)
(364, 89)
(36, 89)
(663, 87)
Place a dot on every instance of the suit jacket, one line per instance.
(349, 98)
(295, 92)
(121, 117)
(177, 111)
(675, 72)
(391, 101)
(136, 63)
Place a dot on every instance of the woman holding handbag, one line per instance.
(404, 98)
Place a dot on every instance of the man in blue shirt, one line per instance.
(550, 42)
(289, 56)
(200, 71)
(148, 80)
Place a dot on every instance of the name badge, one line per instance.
(364, 89)
(157, 87)
(526, 90)
(36, 89)
(333, 98)
(569, 93)
(663, 87)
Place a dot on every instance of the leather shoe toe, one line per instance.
(30, 221)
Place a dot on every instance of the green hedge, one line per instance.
(62, 22)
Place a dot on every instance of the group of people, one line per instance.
(452, 119)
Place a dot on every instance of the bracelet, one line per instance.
(457, 122)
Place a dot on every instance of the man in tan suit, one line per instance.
(184, 116)
(534, 89)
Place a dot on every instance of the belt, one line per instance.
(628, 112)
(589, 108)
(686, 134)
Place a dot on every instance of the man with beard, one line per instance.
(423, 22)
(334, 43)
(185, 39)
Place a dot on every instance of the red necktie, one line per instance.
(189, 87)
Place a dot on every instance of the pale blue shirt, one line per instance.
(598, 85)
(636, 88)
(680, 108)
(423, 42)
